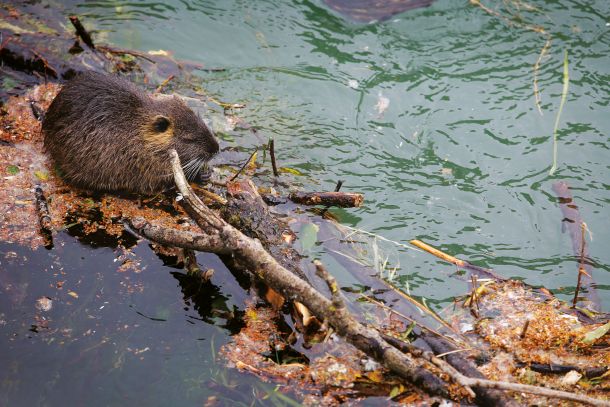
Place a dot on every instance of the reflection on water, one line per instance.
(118, 326)
(431, 113)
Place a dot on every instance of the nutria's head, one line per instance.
(172, 124)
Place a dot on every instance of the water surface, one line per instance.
(431, 114)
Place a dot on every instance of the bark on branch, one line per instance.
(296, 289)
(340, 199)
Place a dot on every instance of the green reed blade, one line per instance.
(564, 96)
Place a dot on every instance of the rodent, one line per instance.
(104, 134)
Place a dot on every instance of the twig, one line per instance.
(444, 348)
(192, 267)
(331, 283)
(551, 368)
(339, 185)
(120, 51)
(226, 105)
(327, 205)
(420, 306)
(201, 68)
(581, 265)
(526, 388)
(212, 196)
(455, 260)
(164, 84)
(243, 166)
(379, 237)
(82, 32)
(474, 297)
(44, 216)
(526, 325)
(426, 355)
(42, 208)
(272, 154)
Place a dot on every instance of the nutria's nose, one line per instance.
(214, 147)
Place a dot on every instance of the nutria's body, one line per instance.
(104, 134)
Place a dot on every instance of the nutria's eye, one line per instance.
(160, 124)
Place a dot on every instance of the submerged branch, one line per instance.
(82, 32)
(573, 222)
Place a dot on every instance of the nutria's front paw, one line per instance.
(204, 174)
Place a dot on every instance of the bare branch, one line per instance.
(295, 289)
(177, 238)
(365, 339)
(331, 283)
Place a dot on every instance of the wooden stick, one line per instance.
(120, 51)
(164, 84)
(581, 265)
(272, 154)
(177, 238)
(211, 195)
(458, 262)
(339, 199)
(82, 32)
(243, 166)
(339, 185)
(331, 283)
(551, 368)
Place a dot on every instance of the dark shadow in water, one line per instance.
(99, 238)
(366, 11)
(209, 302)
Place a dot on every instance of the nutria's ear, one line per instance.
(160, 124)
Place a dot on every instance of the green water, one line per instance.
(430, 114)
(459, 158)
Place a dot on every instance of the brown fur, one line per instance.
(104, 134)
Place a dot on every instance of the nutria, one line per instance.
(104, 134)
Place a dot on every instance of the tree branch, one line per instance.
(223, 238)
(294, 288)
